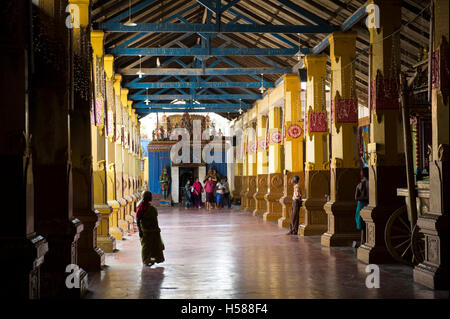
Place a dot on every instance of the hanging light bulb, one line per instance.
(299, 55)
(129, 23)
(262, 88)
(240, 111)
(147, 101)
(158, 63)
(140, 73)
(240, 108)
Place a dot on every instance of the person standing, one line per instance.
(209, 189)
(188, 194)
(362, 198)
(226, 194)
(295, 209)
(197, 190)
(220, 189)
(149, 231)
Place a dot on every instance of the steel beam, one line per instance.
(215, 28)
(196, 85)
(201, 51)
(171, 97)
(198, 110)
(302, 12)
(190, 105)
(206, 71)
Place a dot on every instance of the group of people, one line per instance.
(217, 194)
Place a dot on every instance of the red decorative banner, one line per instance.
(317, 122)
(385, 94)
(276, 137)
(294, 131)
(344, 110)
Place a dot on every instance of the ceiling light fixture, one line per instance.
(299, 54)
(262, 88)
(129, 23)
(140, 73)
(147, 101)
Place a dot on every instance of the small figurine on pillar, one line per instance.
(164, 179)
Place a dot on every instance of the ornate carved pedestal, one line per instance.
(261, 191)
(244, 192)
(128, 216)
(433, 271)
(114, 229)
(275, 192)
(341, 208)
(63, 239)
(315, 219)
(123, 211)
(104, 239)
(237, 190)
(90, 256)
(286, 200)
(383, 202)
(250, 193)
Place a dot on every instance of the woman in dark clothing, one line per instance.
(149, 231)
(362, 198)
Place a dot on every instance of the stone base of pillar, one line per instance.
(90, 256)
(260, 201)
(63, 241)
(122, 224)
(23, 279)
(317, 186)
(236, 194)
(106, 243)
(243, 193)
(286, 200)
(251, 204)
(341, 224)
(383, 181)
(275, 186)
(431, 276)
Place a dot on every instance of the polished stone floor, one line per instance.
(231, 254)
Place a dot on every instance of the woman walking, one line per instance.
(197, 190)
(149, 231)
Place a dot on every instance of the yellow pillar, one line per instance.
(386, 166)
(275, 178)
(262, 157)
(105, 240)
(252, 159)
(433, 271)
(293, 145)
(238, 163)
(317, 174)
(244, 190)
(345, 163)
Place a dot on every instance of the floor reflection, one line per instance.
(231, 254)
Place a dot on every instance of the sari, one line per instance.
(151, 242)
(198, 189)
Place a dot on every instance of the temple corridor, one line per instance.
(231, 254)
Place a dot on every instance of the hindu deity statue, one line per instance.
(164, 179)
(215, 176)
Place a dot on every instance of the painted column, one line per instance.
(104, 239)
(386, 151)
(345, 163)
(19, 241)
(262, 161)
(90, 256)
(293, 145)
(275, 178)
(317, 174)
(244, 162)
(251, 165)
(50, 130)
(238, 166)
(433, 271)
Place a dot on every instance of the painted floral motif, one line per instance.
(276, 137)
(99, 111)
(263, 143)
(294, 131)
(253, 148)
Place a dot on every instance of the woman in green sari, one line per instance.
(149, 231)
